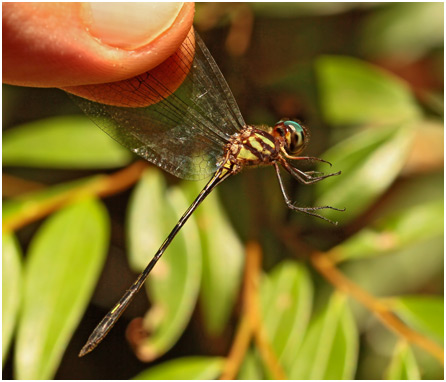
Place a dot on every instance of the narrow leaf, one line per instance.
(63, 264)
(62, 142)
(174, 283)
(370, 161)
(146, 220)
(423, 313)
(405, 30)
(11, 288)
(286, 308)
(403, 365)
(298, 9)
(330, 348)
(355, 92)
(223, 257)
(251, 368)
(407, 227)
(187, 368)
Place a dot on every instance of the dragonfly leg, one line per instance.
(306, 210)
(288, 156)
(306, 177)
(314, 174)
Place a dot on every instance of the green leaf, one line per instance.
(223, 257)
(251, 368)
(11, 288)
(370, 161)
(146, 219)
(287, 298)
(62, 142)
(295, 9)
(404, 30)
(174, 283)
(330, 347)
(187, 368)
(423, 313)
(403, 365)
(407, 269)
(404, 228)
(63, 264)
(355, 92)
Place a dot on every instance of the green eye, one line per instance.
(295, 135)
(296, 126)
(297, 139)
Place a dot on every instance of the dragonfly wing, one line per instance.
(178, 116)
(184, 154)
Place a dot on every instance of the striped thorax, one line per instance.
(254, 146)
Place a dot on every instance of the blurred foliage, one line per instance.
(287, 294)
(424, 313)
(405, 31)
(11, 288)
(188, 368)
(48, 137)
(403, 365)
(367, 78)
(57, 288)
(173, 285)
(330, 349)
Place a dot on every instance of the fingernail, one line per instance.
(129, 25)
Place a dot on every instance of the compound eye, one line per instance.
(296, 138)
(280, 130)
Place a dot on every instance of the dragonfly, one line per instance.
(182, 117)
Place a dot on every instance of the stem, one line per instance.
(251, 324)
(381, 310)
(100, 186)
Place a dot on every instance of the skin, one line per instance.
(50, 45)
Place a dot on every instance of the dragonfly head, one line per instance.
(292, 134)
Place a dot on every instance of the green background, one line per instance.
(367, 80)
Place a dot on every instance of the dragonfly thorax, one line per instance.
(250, 147)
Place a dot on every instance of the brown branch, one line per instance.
(238, 349)
(254, 312)
(251, 325)
(381, 310)
(14, 186)
(101, 186)
(245, 330)
(325, 263)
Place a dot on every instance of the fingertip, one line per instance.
(129, 26)
(69, 44)
(159, 82)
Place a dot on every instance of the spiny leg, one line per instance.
(288, 156)
(311, 176)
(307, 210)
(314, 174)
(305, 177)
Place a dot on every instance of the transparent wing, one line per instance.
(178, 116)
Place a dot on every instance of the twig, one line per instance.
(101, 186)
(325, 263)
(14, 186)
(253, 311)
(251, 325)
(326, 267)
(238, 349)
